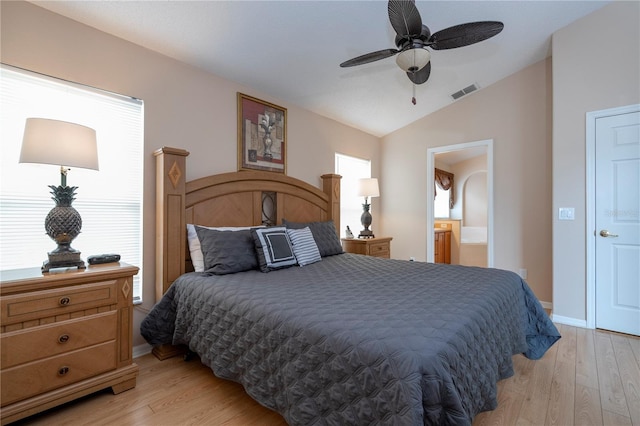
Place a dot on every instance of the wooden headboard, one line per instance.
(244, 198)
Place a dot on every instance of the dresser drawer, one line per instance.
(41, 376)
(20, 347)
(379, 250)
(40, 304)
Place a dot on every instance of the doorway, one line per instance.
(613, 219)
(432, 153)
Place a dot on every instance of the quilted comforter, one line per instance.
(359, 340)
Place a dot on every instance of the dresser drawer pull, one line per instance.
(63, 370)
(64, 301)
(64, 338)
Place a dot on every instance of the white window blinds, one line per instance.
(351, 169)
(109, 200)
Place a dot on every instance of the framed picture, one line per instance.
(262, 135)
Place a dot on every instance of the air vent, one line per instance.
(465, 91)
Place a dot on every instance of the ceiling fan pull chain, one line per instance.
(413, 99)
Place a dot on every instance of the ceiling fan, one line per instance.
(413, 38)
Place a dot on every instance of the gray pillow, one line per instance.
(323, 232)
(227, 252)
(273, 248)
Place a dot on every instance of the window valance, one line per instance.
(444, 180)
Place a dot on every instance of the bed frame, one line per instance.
(244, 198)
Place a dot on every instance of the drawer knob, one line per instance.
(64, 301)
(63, 370)
(64, 338)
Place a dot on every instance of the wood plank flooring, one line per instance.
(589, 377)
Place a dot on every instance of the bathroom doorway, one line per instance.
(470, 222)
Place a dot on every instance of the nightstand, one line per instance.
(377, 247)
(64, 334)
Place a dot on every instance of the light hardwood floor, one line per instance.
(589, 377)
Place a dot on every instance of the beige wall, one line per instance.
(184, 107)
(516, 113)
(467, 174)
(596, 66)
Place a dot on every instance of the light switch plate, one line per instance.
(566, 213)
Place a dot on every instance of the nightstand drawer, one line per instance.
(39, 304)
(20, 347)
(37, 377)
(377, 247)
(379, 250)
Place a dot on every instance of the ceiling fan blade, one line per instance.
(369, 57)
(420, 76)
(464, 34)
(404, 17)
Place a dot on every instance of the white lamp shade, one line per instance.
(60, 143)
(414, 59)
(368, 187)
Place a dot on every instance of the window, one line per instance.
(109, 200)
(441, 204)
(351, 169)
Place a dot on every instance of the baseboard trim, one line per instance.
(141, 350)
(547, 305)
(569, 321)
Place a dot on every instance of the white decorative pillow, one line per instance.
(304, 246)
(195, 248)
(273, 248)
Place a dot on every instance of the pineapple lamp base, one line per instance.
(63, 224)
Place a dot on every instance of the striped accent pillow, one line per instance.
(304, 246)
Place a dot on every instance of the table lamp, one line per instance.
(367, 188)
(66, 144)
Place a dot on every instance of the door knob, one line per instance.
(605, 233)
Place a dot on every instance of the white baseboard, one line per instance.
(142, 349)
(569, 321)
(546, 305)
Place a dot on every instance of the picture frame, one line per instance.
(262, 135)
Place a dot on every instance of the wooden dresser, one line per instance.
(378, 247)
(442, 243)
(64, 334)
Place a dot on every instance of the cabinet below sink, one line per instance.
(442, 243)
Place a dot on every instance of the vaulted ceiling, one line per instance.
(291, 50)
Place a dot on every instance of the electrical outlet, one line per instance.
(412, 259)
(523, 273)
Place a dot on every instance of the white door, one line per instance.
(617, 221)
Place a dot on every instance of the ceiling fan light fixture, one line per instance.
(414, 59)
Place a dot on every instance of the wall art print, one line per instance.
(262, 135)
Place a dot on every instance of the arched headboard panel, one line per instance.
(244, 198)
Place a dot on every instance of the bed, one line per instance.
(344, 339)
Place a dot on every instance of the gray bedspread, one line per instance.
(355, 340)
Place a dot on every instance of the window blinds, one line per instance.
(351, 169)
(109, 200)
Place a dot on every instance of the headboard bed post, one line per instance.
(331, 187)
(170, 216)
